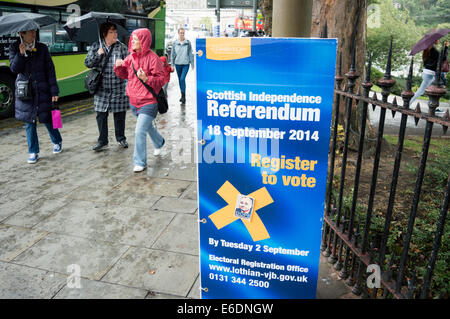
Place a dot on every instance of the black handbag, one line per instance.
(24, 90)
(163, 105)
(94, 76)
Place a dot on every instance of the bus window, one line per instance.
(55, 37)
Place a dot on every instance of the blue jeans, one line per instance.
(144, 126)
(32, 137)
(182, 70)
(427, 79)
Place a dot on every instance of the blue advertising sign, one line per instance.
(264, 108)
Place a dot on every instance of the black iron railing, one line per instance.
(347, 239)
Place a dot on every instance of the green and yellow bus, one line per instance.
(68, 56)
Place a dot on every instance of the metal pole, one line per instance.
(292, 18)
(218, 10)
(217, 27)
(255, 9)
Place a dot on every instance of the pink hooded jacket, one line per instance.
(149, 62)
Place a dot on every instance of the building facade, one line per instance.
(185, 4)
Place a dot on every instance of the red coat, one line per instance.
(149, 62)
(167, 69)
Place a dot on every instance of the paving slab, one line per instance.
(177, 205)
(180, 236)
(187, 172)
(114, 224)
(329, 285)
(21, 282)
(195, 290)
(141, 183)
(12, 202)
(56, 252)
(190, 192)
(91, 289)
(156, 270)
(14, 240)
(37, 212)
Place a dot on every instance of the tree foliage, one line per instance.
(396, 23)
(428, 13)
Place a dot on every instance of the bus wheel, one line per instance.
(6, 96)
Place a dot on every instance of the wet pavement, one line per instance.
(128, 235)
(392, 122)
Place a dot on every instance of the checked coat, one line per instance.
(111, 93)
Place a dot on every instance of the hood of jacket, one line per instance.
(145, 38)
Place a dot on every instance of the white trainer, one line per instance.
(138, 168)
(157, 151)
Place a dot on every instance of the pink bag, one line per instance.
(56, 119)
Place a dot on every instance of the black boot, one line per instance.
(183, 98)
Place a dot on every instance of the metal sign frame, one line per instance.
(227, 4)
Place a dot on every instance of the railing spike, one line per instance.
(394, 103)
(411, 286)
(447, 118)
(387, 74)
(369, 69)
(374, 97)
(325, 31)
(417, 109)
(409, 81)
(447, 115)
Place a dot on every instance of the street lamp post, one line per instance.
(292, 18)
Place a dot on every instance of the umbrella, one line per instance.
(428, 40)
(86, 27)
(24, 21)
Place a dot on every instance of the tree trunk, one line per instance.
(342, 21)
(340, 16)
(266, 9)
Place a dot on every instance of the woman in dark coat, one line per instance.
(430, 58)
(30, 59)
(110, 97)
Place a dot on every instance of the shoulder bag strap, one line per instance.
(107, 59)
(145, 84)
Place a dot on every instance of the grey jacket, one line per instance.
(182, 53)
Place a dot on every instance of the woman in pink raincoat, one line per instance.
(144, 106)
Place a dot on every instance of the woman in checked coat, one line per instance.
(110, 97)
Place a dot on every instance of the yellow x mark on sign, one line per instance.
(225, 216)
